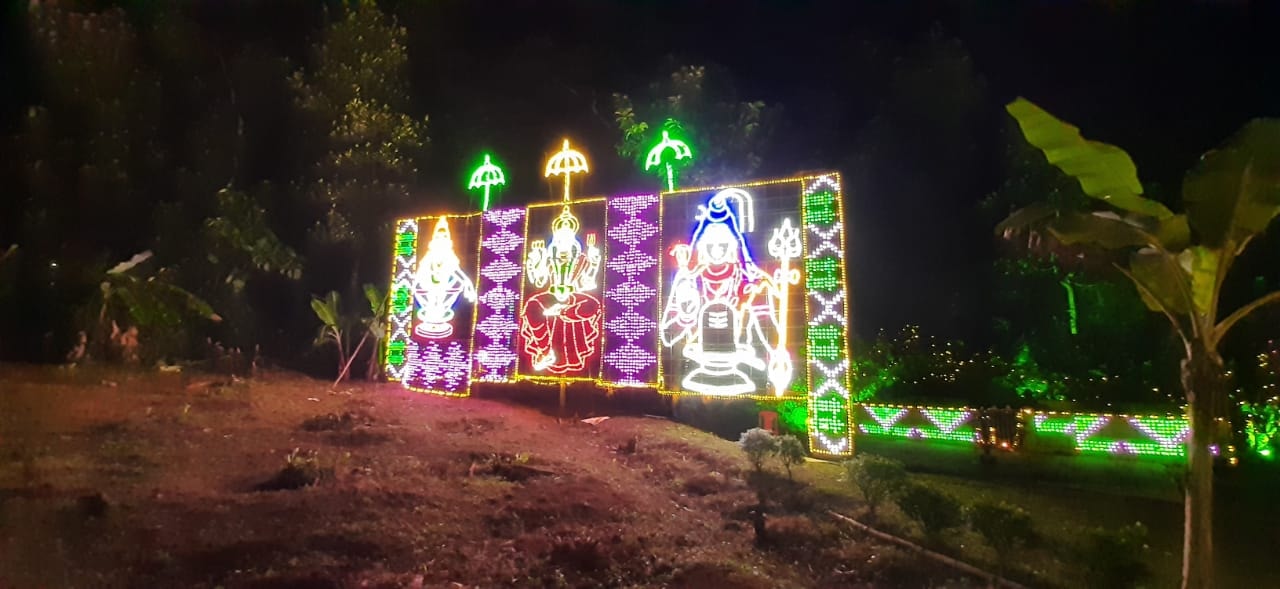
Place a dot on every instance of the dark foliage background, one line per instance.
(211, 132)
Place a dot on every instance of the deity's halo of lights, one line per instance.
(566, 162)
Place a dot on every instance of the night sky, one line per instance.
(1165, 80)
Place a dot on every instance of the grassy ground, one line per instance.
(1069, 496)
(116, 479)
(113, 479)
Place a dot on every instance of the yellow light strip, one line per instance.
(517, 337)
(571, 203)
(848, 294)
(478, 233)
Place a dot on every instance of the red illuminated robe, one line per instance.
(571, 334)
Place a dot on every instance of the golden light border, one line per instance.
(516, 376)
(475, 311)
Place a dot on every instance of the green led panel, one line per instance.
(1152, 436)
(917, 423)
(403, 264)
(827, 304)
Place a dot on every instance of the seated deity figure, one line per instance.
(438, 284)
(560, 325)
(721, 305)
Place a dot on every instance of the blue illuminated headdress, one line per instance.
(718, 210)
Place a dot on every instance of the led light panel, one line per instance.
(732, 291)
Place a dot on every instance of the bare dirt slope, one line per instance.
(112, 479)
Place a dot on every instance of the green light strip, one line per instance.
(964, 435)
(399, 314)
(826, 299)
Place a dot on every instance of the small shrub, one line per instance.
(759, 444)
(877, 478)
(1112, 559)
(936, 511)
(791, 452)
(301, 469)
(1003, 526)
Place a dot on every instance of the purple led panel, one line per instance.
(438, 366)
(500, 276)
(631, 333)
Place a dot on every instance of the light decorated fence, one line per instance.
(1107, 434)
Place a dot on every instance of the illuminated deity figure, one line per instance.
(560, 325)
(723, 307)
(438, 284)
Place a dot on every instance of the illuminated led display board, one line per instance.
(560, 320)
(731, 291)
(433, 303)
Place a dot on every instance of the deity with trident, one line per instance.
(723, 308)
(439, 282)
(560, 326)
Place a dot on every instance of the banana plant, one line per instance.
(1178, 262)
(333, 327)
(376, 327)
(148, 300)
(336, 328)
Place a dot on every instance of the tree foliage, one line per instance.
(876, 368)
(355, 94)
(1177, 262)
(700, 102)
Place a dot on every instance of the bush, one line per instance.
(876, 477)
(1113, 558)
(1003, 526)
(936, 511)
(759, 444)
(791, 452)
